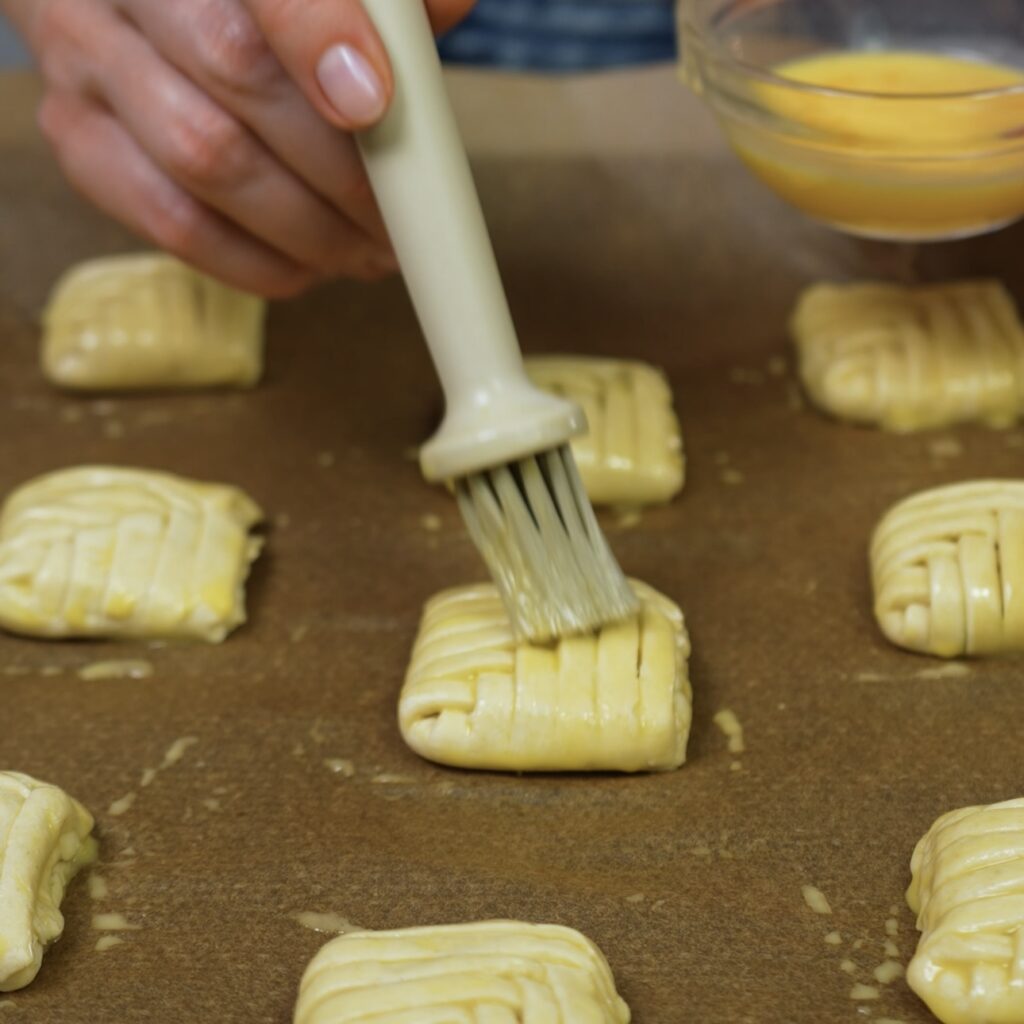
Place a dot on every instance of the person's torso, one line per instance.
(564, 35)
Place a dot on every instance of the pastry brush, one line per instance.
(503, 442)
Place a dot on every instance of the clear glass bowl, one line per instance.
(911, 166)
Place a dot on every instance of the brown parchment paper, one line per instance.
(623, 228)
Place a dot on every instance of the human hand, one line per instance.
(220, 130)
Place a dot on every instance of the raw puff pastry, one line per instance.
(149, 321)
(44, 841)
(968, 893)
(493, 972)
(912, 358)
(108, 552)
(617, 701)
(948, 570)
(633, 454)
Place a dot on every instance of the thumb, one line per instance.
(333, 52)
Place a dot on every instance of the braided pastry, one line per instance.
(616, 701)
(492, 972)
(633, 451)
(968, 893)
(948, 570)
(149, 321)
(107, 552)
(912, 358)
(44, 841)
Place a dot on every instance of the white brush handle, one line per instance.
(424, 187)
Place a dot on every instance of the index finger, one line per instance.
(332, 51)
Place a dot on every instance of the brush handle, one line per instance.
(424, 187)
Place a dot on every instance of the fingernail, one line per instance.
(353, 87)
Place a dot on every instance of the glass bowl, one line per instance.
(946, 161)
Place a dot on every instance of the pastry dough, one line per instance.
(149, 321)
(633, 453)
(106, 552)
(44, 841)
(968, 894)
(912, 358)
(492, 972)
(948, 569)
(617, 701)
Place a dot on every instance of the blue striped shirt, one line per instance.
(564, 35)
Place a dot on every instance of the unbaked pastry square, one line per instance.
(44, 841)
(633, 453)
(148, 321)
(948, 570)
(912, 358)
(491, 972)
(968, 894)
(99, 551)
(475, 697)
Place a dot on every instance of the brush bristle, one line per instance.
(538, 534)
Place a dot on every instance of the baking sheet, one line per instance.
(623, 228)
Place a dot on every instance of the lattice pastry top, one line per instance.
(968, 893)
(616, 701)
(150, 321)
(912, 358)
(633, 453)
(44, 841)
(99, 551)
(948, 569)
(492, 972)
